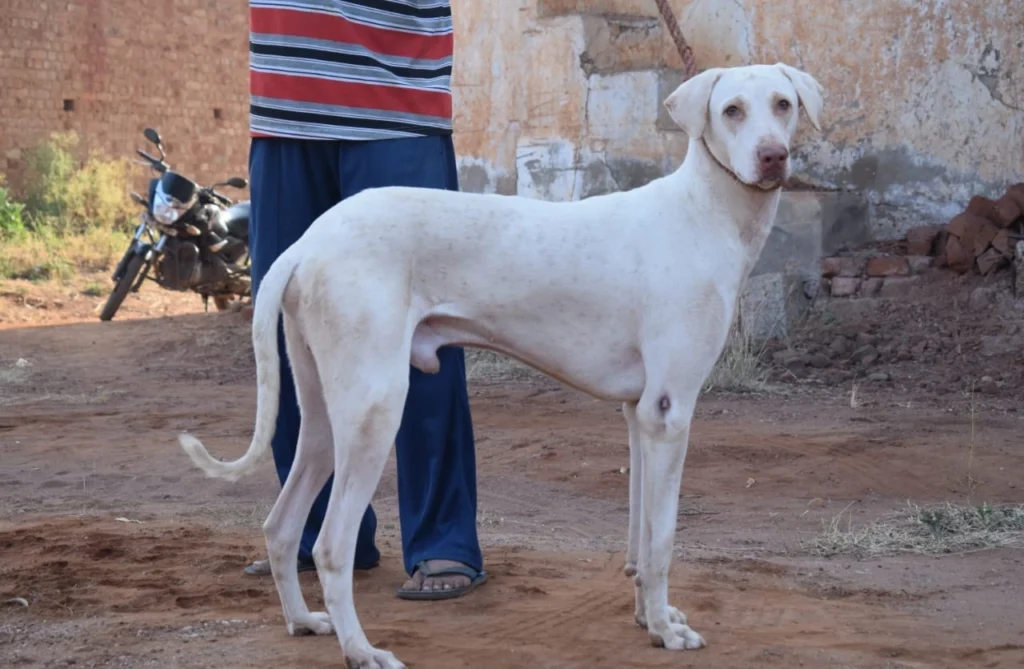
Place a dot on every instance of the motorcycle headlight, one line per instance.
(166, 209)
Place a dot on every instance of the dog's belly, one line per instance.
(605, 367)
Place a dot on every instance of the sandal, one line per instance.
(476, 579)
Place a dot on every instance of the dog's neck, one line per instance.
(756, 206)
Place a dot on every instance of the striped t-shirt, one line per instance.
(350, 69)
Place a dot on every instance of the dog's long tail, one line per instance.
(266, 311)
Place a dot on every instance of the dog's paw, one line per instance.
(629, 569)
(677, 637)
(317, 623)
(371, 658)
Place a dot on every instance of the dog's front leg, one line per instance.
(636, 464)
(636, 468)
(664, 432)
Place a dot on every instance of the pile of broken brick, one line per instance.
(879, 276)
(983, 238)
(986, 237)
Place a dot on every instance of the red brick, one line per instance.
(980, 206)
(957, 257)
(921, 240)
(850, 266)
(845, 266)
(1016, 193)
(990, 261)
(844, 286)
(93, 57)
(888, 266)
(1002, 243)
(1006, 211)
(983, 237)
(965, 227)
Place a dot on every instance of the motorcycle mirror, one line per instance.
(237, 182)
(152, 135)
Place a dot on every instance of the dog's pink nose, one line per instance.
(772, 160)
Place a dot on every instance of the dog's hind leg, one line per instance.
(365, 398)
(663, 417)
(310, 470)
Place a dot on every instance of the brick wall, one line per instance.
(107, 69)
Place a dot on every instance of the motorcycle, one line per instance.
(189, 237)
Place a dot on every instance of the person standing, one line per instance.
(345, 96)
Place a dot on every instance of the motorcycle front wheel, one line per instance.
(123, 287)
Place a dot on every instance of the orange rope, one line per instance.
(685, 52)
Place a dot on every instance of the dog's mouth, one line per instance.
(769, 184)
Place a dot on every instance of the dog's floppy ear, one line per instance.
(809, 90)
(688, 104)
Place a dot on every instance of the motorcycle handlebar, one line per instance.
(217, 196)
(155, 162)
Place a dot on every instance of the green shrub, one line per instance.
(76, 216)
(12, 224)
(50, 166)
(64, 198)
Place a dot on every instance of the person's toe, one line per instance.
(415, 582)
(437, 583)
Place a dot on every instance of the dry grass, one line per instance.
(12, 375)
(40, 257)
(939, 530)
(972, 483)
(488, 366)
(740, 368)
(15, 373)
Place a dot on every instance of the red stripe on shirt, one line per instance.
(337, 29)
(346, 94)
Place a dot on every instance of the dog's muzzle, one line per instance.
(772, 164)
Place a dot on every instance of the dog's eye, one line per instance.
(783, 105)
(732, 111)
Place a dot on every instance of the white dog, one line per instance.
(627, 296)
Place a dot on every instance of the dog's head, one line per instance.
(747, 116)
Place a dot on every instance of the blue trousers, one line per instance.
(293, 182)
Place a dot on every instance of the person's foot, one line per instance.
(441, 579)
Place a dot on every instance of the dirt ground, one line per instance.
(128, 557)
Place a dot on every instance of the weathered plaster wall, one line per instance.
(556, 104)
(924, 98)
(562, 98)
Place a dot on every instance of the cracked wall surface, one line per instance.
(924, 99)
(562, 98)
